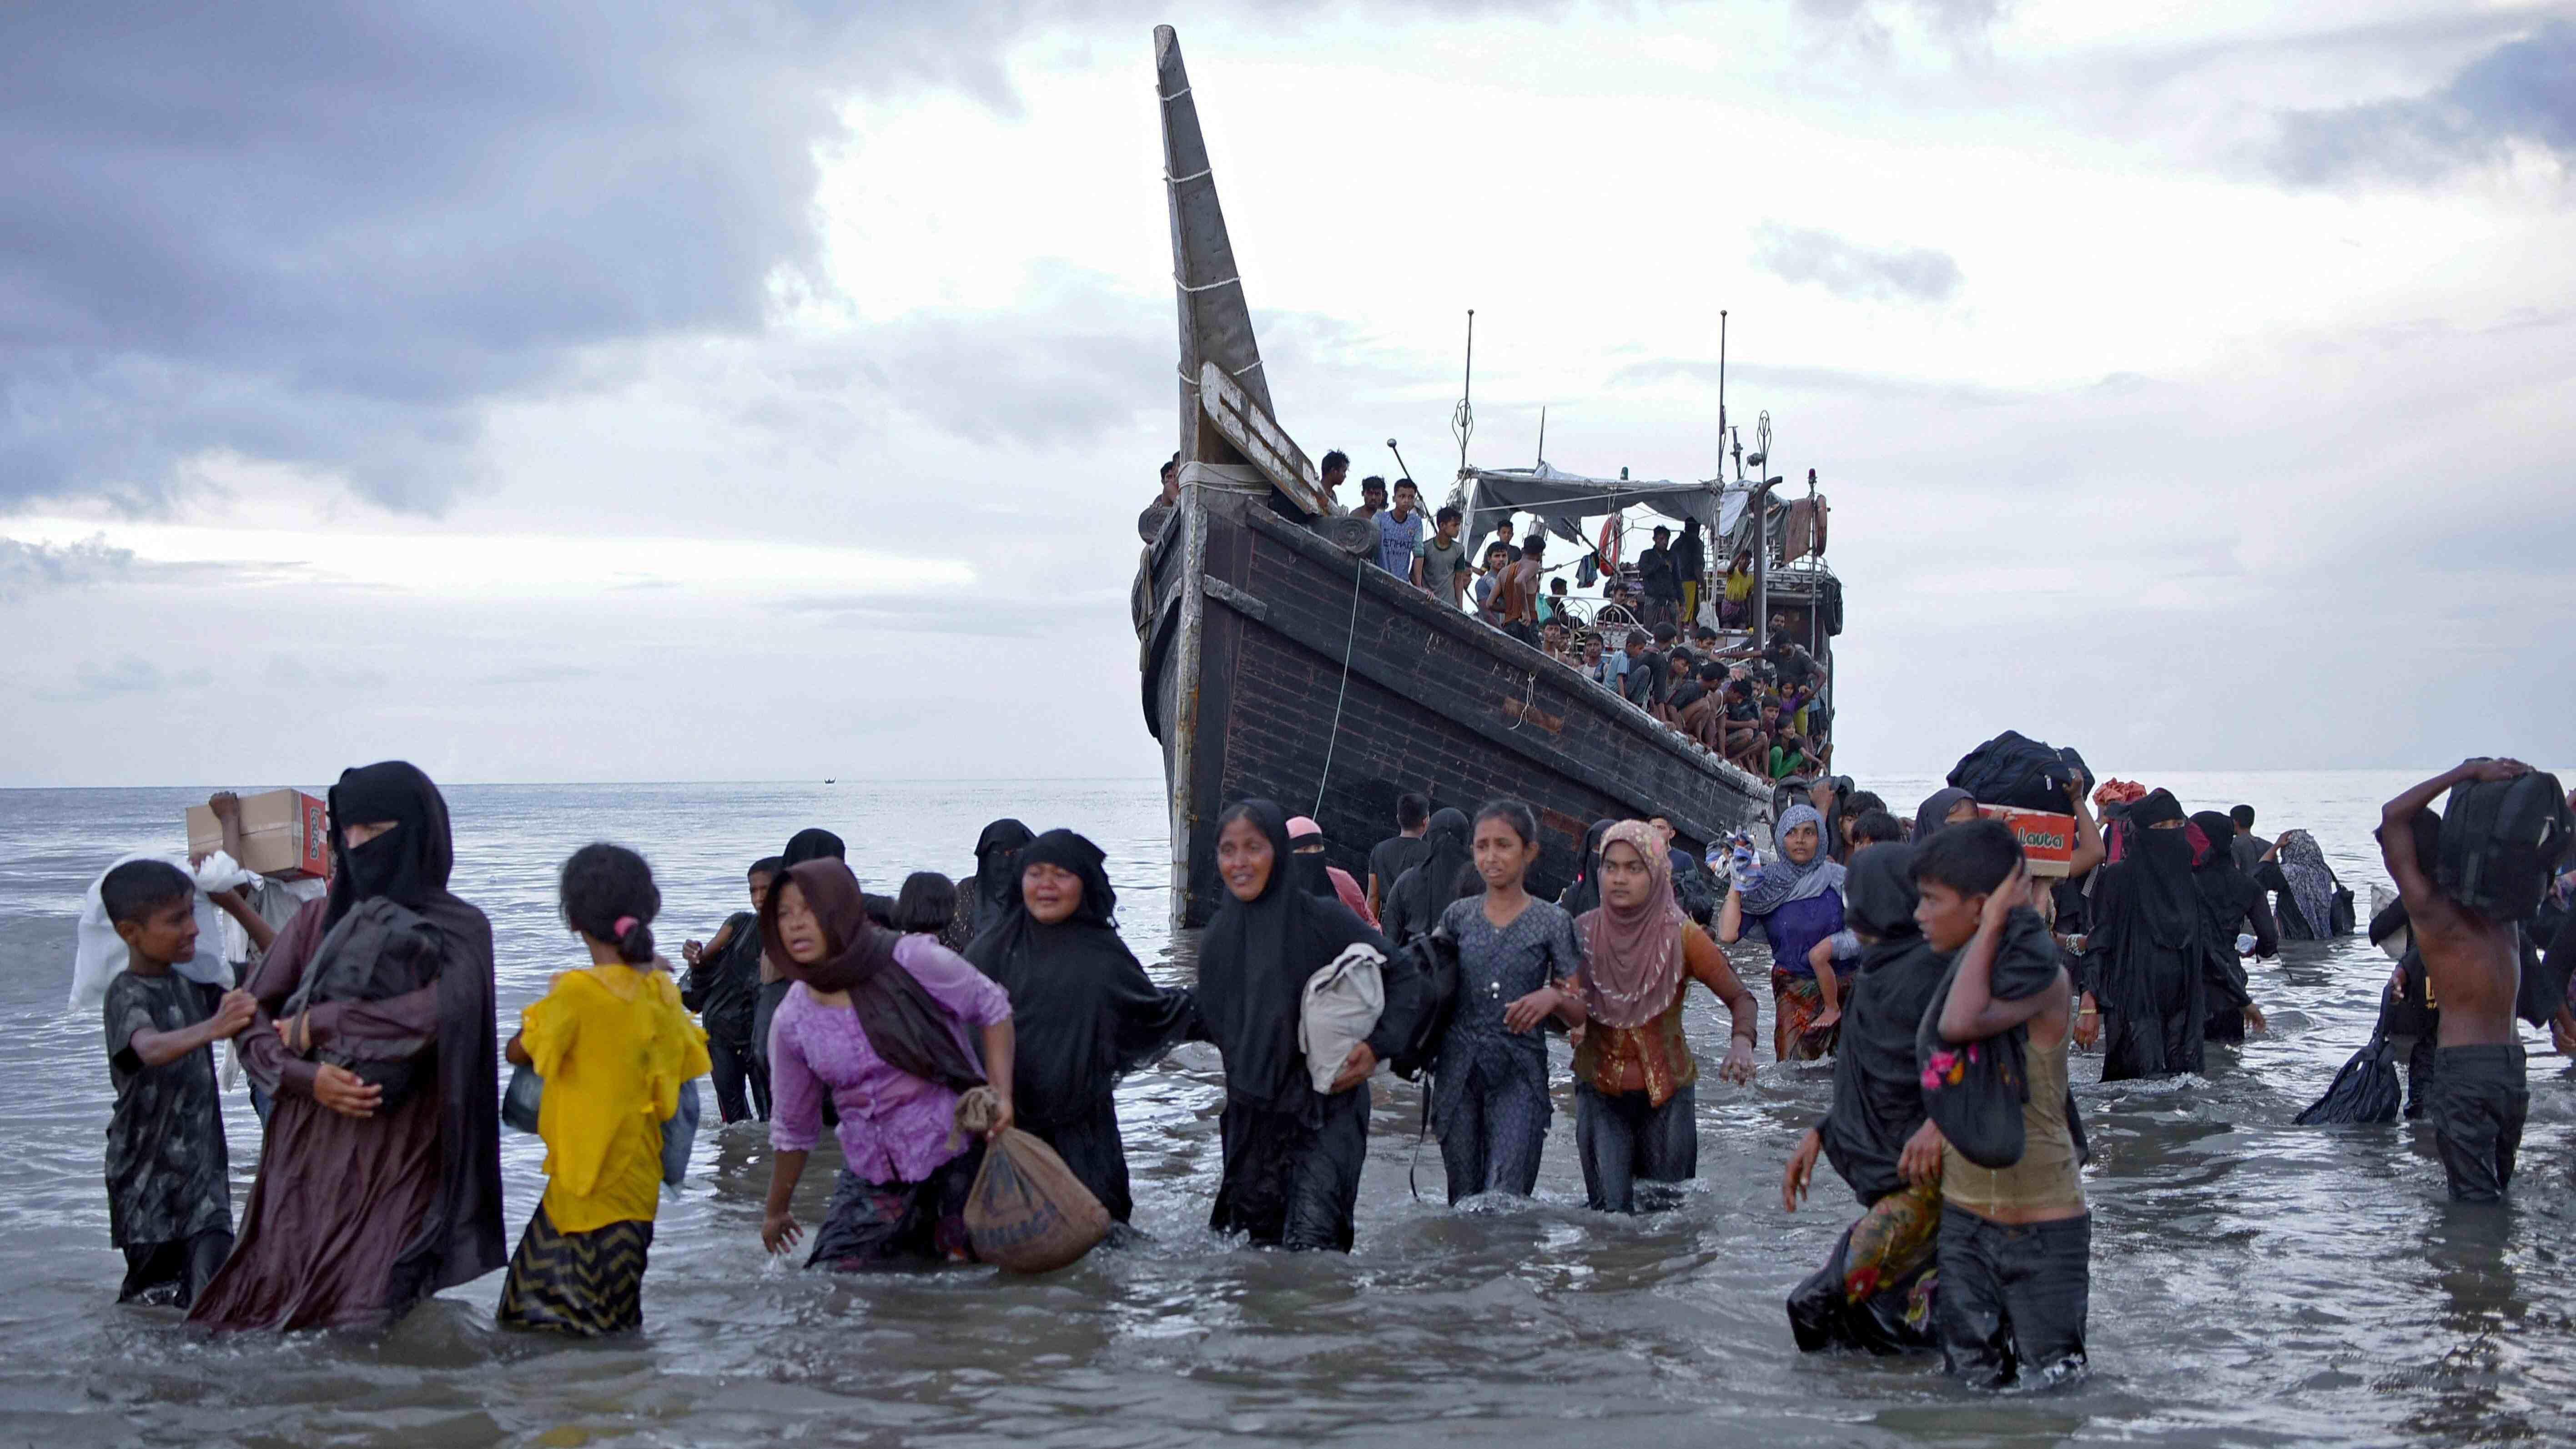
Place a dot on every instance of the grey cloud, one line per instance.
(1848, 269)
(287, 671)
(26, 568)
(332, 236)
(128, 674)
(2521, 91)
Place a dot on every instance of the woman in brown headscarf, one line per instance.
(886, 1025)
(1635, 1080)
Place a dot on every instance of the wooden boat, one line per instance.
(1279, 662)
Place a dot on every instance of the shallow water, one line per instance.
(2253, 1283)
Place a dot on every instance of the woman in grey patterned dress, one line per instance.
(1517, 961)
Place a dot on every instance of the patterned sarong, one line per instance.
(1799, 1001)
(583, 1284)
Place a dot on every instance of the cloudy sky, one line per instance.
(660, 391)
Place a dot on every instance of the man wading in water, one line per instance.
(2479, 1093)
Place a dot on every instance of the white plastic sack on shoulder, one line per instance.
(1341, 1006)
(98, 953)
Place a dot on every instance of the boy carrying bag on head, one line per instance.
(169, 1193)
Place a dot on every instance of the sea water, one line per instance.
(2253, 1282)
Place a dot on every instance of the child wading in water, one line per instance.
(2016, 1242)
(169, 1195)
(614, 1045)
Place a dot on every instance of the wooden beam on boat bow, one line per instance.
(1260, 439)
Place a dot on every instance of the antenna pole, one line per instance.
(1542, 434)
(1721, 394)
(1463, 422)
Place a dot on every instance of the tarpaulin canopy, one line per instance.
(1563, 500)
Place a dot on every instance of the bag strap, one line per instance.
(1413, 1163)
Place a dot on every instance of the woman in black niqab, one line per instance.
(1585, 893)
(414, 1197)
(1448, 872)
(1291, 1175)
(2147, 950)
(996, 889)
(2229, 901)
(1084, 1011)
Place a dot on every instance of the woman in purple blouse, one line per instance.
(882, 1023)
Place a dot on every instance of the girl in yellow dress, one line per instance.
(614, 1046)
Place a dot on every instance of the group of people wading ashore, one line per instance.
(1948, 983)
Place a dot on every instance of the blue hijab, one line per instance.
(1784, 880)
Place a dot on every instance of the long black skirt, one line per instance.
(583, 1284)
(1290, 1182)
(1091, 1147)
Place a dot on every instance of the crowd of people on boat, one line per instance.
(1664, 636)
(1945, 977)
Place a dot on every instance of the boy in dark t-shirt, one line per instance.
(169, 1195)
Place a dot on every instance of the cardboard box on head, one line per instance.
(2047, 841)
(284, 833)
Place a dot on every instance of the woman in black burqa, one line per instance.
(2148, 1001)
(1292, 1154)
(1875, 1289)
(364, 1206)
(2229, 902)
(994, 890)
(1084, 1011)
(1447, 872)
(1584, 894)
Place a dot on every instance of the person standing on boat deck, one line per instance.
(1690, 569)
(1517, 966)
(405, 1190)
(1516, 597)
(1635, 1081)
(2147, 996)
(723, 987)
(1401, 851)
(2480, 1093)
(1083, 1011)
(1372, 498)
(1798, 899)
(887, 1026)
(1735, 606)
(1149, 524)
(1292, 1154)
(1441, 566)
(1874, 1289)
(2229, 903)
(1489, 584)
(1399, 533)
(1446, 872)
(1335, 467)
(1656, 573)
(1321, 878)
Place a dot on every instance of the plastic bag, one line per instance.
(525, 1097)
(2364, 1091)
(1027, 1212)
(98, 953)
(1341, 1005)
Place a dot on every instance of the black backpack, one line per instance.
(2013, 770)
(1434, 954)
(2500, 840)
